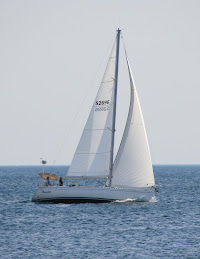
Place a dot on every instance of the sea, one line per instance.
(166, 227)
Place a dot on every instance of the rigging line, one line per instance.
(153, 157)
(96, 129)
(92, 153)
(90, 86)
(124, 46)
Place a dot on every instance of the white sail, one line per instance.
(133, 166)
(92, 156)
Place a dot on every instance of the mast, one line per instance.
(114, 107)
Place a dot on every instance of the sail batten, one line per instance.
(93, 153)
(85, 177)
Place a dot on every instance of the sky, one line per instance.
(52, 59)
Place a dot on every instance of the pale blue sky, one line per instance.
(50, 57)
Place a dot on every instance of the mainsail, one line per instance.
(133, 166)
(93, 154)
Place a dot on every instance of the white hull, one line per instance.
(66, 194)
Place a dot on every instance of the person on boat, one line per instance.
(60, 182)
(48, 181)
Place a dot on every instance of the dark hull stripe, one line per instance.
(74, 200)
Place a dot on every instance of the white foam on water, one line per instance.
(140, 199)
(126, 200)
(153, 199)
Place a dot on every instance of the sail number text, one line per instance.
(102, 102)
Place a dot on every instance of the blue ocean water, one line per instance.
(166, 228)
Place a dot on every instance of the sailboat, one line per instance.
(130, 176)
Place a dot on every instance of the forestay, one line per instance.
(92, 156)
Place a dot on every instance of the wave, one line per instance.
(141, 199)
(153, 199)
(15, 201)
(126, 200)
